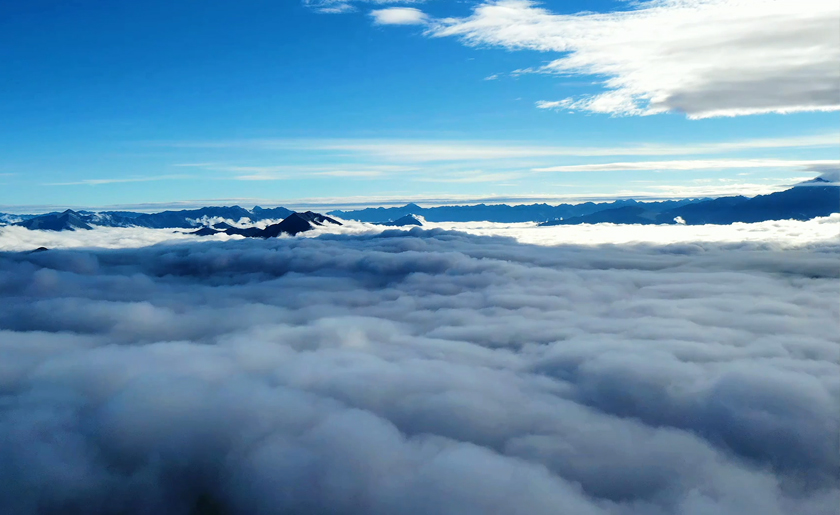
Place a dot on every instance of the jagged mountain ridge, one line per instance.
(502, 213)
(183, 219)
(293, 224)
(817, 197)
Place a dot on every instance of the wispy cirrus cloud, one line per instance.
(695, 164)
(119, 180)
(420, 151)
(704, 58)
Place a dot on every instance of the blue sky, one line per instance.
(327, 101)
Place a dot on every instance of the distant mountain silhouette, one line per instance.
(67, 221)
(273, 213)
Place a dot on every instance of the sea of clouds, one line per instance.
(418, 371)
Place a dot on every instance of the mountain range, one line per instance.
(817, 197)
(502, 213)
(804, 201)
(184, 219)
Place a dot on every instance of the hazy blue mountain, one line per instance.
(804, 201)
(502, 213)
(66, 221)
(715, 211)
(817, 197)
(272, 213)
(619, 215)
(187, 218)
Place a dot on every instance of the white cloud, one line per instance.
(399, 16)
(424, 372)
(779, 233)
(693, 164)
(704, 58)
(343, 6)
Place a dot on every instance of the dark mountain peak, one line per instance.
(297, 223)
(826, 179)
(205, 231)
(406, 221)
(413, 206)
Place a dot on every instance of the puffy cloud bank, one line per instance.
(420, 372)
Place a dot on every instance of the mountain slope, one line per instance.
(802, 202)
(67, 221)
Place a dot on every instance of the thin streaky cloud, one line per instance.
(273, 176)
(477, 176)
(443, 150)
(114, 180)
(685, 165)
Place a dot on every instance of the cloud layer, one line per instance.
(421, 372)
(704, 58)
